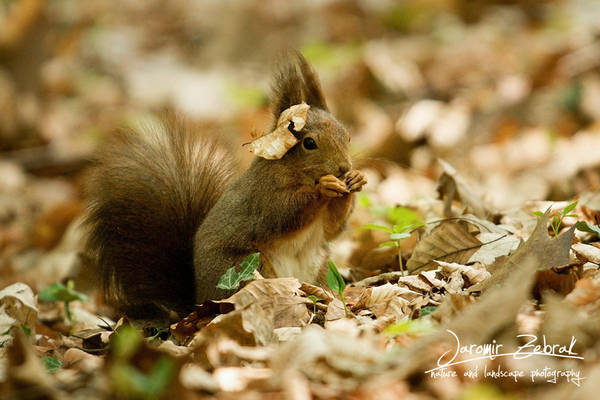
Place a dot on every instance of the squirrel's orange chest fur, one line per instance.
(301, 255)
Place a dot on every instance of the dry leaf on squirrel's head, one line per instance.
(275, 144)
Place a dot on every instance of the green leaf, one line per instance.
(398, 236)
(569, 208)
(364, 200)
(228, 280)
(231, 279)
(59, 292)
(125, 342)
(556, 221)
(314, 299)
(388, 244)
(377, 227)
(586, 227)
(336, 282)
(160, 376)
(403, 216)
(51, 363)
(572, 216)
(334, 278)
(129, 382)
(249, 264)
(538, 213)
(416, 327)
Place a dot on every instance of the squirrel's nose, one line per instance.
(343, 168)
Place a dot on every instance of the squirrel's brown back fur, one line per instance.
(149, 193)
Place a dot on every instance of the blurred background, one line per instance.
(507, 92)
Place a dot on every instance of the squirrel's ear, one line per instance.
(296, 82)
(313, 93)
(287, 88)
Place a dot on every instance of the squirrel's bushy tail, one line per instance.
(149, 192)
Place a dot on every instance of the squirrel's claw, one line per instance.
(330, 186)
(355, 180)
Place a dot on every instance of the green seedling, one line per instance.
(415, 327)
(315, 300)
(403, 221)
(231, 279)
(587, 227)
(59, 292)
(129, 381)
(336, 283)
(558, 217)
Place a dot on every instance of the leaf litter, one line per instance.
(494, 106)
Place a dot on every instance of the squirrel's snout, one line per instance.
(342, 169)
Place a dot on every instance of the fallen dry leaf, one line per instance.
(275, 144)
(586, 291)
(547, 252)
(451, 185)
(587, 252)
(279, 296)
(471, 272)
(17, 307)
(449, 241)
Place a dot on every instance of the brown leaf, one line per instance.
(451, 185)
(449, 241)
(561, 280)
(586, 291)
(416, 282)
(547, 253)
(25, 373)
(587, 252)
(476, 323)
(312, 290)
(249, 326)
(280, 296)
(274, 145)
(563, 322)
(17, 307)
(471, 272)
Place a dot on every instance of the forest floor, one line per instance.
(470, 268)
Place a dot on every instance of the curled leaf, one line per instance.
(275, 144)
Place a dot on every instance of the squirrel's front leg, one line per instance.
(341, 199)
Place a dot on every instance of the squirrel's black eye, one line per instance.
(309, 144)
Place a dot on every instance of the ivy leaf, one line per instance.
(427, 310)
(51, 363)
(59, 292)
(231, 279)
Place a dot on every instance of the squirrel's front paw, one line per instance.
(330, 186)
(355, 180)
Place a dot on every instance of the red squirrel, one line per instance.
(167, 217)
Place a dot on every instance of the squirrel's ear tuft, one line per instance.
(286, 88)
(313, 93)
(294, 83)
